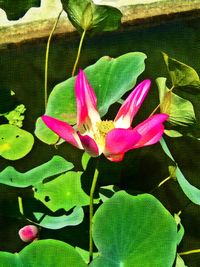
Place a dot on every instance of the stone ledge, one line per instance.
(132, 15)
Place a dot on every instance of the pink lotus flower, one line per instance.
(112, 138)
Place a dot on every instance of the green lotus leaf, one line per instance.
(127, 232)
(63, 192)
(55, 166)
(106, 77)
(180, 262)
(180, 73)
(58, 222)
(85, 15)
(180, 110)
(43, 253)
(15, 143)
(192, 192)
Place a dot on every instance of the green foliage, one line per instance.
(186, 84)
(190, 191)
(85, 15)
(180, 227)
(85, 254)
(172, 133)
(44, 133)
(55, 166)
(85, 160)
(63, 192)
(16, 9)
(58, 222)
(42, 254)
(127, 232)
(180, 73)
(106, 77)
(106, 192)
(180, 110)
(180, 262)
(15, 116)
(15, 143)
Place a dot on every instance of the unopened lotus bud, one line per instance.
(28, 233)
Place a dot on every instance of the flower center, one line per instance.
(104, 127)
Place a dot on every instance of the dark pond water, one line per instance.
(22, 70)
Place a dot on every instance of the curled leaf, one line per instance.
(180, 73)
(85, 15)
(180, 110)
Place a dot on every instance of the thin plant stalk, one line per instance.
(189, 252)
(161, 183)
(158, 106)
(79, 52)
(21, 210)
(91, 211)
(47, 59)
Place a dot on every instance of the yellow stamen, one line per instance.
(105, 126)
(102, 128)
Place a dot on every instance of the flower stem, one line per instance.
(158, 106)
(21, 210)
(79, 52)
(47, 58)
(189, 252)
(154, 111)
(94, 182)
(161, 183)
(164, 181)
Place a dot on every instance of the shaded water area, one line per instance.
(22, 70)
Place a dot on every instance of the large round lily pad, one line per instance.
(44, 253)
(134, 231)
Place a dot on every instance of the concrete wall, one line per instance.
(38, 22)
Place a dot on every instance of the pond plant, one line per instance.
(125, 228)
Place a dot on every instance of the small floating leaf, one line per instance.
(55, 166)
(63, 192)
(58, 222)
(15, 143)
